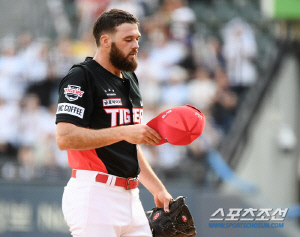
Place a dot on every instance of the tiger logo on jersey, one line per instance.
(73, 92)
(121, 116)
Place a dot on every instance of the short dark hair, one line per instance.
(109, 20)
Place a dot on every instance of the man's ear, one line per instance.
(105, 41)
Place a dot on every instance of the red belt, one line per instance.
(129, 183)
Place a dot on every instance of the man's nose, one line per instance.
(135, 44)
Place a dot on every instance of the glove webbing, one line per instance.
(178, 231)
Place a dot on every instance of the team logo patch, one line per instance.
(156, 216)
(184, 218)
(112, 102)
(73, 92)
(66, 108)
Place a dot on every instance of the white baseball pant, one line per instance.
(93, 209)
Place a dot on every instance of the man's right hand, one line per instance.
(140, 134)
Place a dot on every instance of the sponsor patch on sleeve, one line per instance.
(112, 102)
(67, 108)
(73, 92)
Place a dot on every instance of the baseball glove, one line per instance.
(178, 222)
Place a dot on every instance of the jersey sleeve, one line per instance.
(75, 100)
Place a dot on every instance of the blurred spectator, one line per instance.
(59, 17)
(224, 103)
(201, 90)
(151, 92)
(149, 86)
(208, 53)
(182, 21)
(8, 128)
(61, 57)
(164, 53)
(239, 51)
(34, 61)
(170, 160)
(83, 47)
(87, 13)
(48, 159)
(11, 84)
(24, 40)
(198, 150)
(149, 6)
(133, 6)
(46, 90)
(31, 121)
(175, 91)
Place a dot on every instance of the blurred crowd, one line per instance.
(177, 66)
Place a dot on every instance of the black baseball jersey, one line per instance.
(94, 98)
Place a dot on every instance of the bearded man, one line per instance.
(99, 124)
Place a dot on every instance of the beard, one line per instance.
(120, 61)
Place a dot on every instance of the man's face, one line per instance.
(124, 48)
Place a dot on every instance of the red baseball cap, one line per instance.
(179, 126)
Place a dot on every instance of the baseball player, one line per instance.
(98, 123)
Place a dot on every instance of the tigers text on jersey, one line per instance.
(94, 98)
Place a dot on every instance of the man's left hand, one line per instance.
(163, 199)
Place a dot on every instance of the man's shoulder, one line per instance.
(80, 69)
(77, 73)
(85, 65)
(87, 62)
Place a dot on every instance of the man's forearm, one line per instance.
(71, 137)
(147, 176)
(149, 179)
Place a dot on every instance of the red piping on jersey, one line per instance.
(86, 160)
